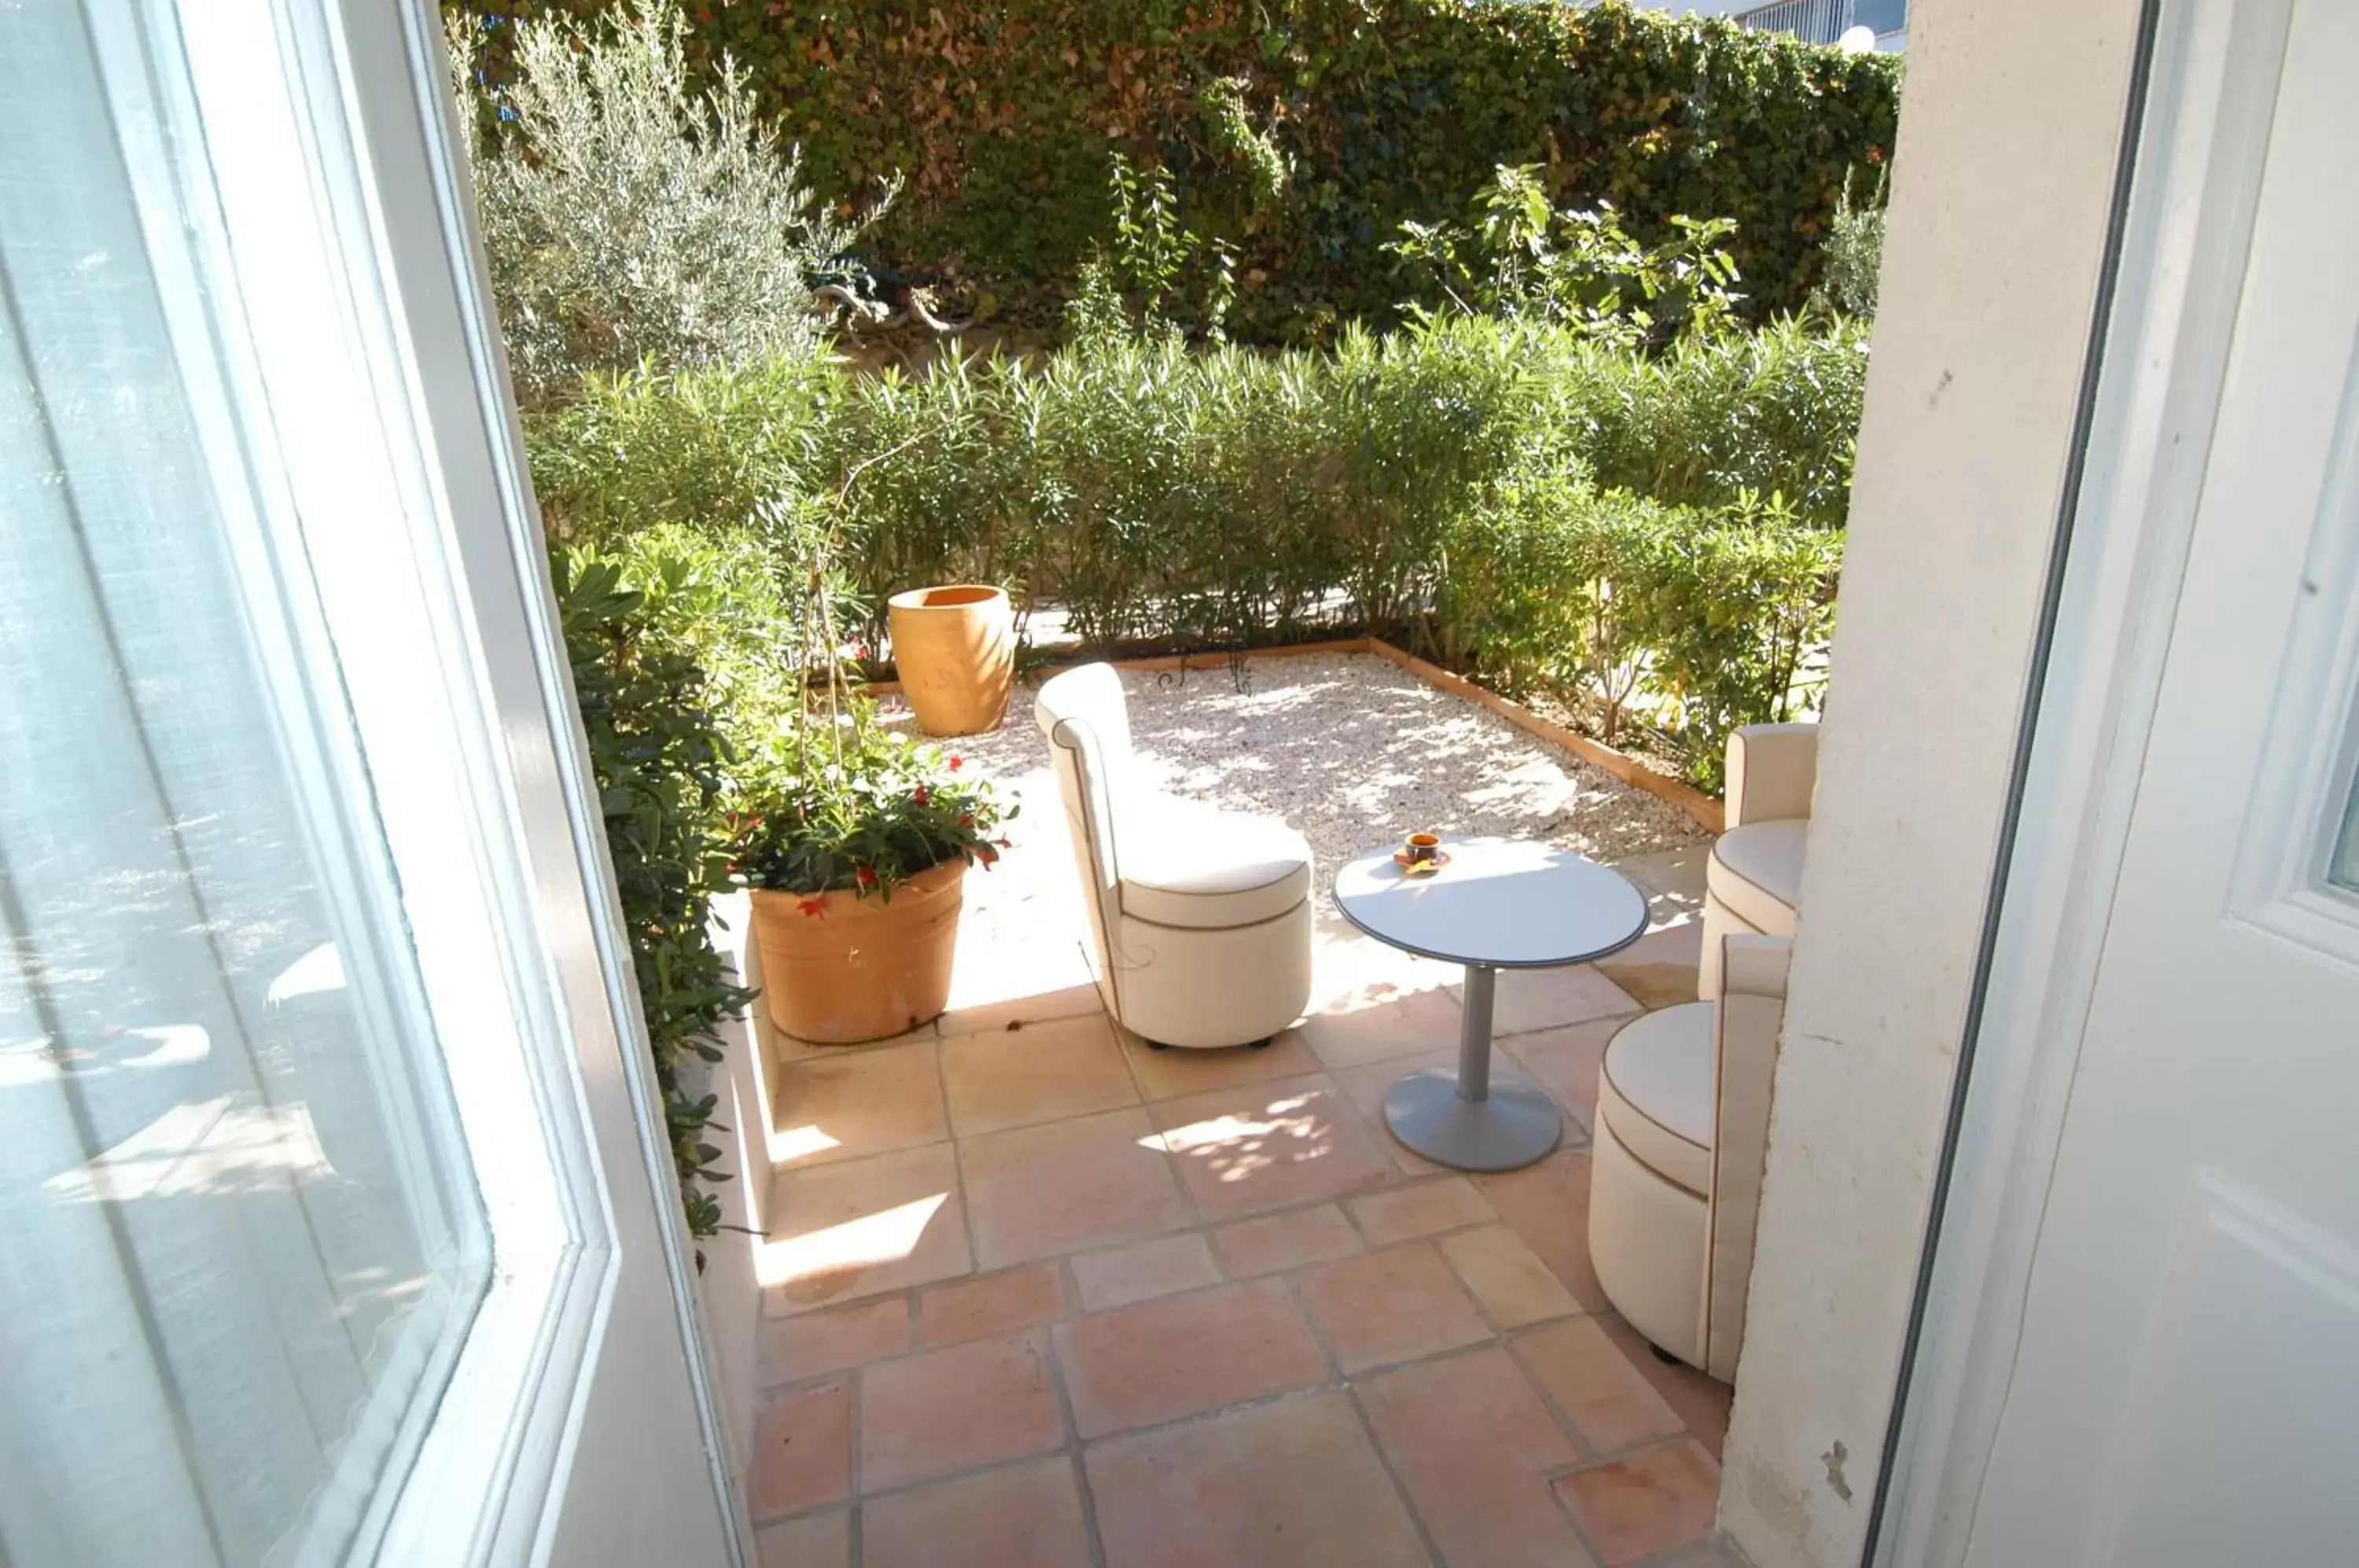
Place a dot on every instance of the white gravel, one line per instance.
(1355, 752)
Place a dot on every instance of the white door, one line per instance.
(2185, 1389)
(331, 1229)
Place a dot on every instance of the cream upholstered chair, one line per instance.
(1200, 918)
(1674, 1173)
(1754, 879)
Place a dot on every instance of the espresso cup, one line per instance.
(1423, 847)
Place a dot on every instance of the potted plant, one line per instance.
(855, 842)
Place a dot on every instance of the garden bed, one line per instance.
(1352, 750)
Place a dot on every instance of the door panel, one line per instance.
(2241, 1270)
(337, 1220)
(2182, 1385)
(241, 1232)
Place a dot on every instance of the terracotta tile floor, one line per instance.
(1041, 1297)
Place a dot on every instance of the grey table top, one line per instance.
(1506, 903)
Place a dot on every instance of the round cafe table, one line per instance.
(1499, 904)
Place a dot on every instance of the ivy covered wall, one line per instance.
(1301, 131)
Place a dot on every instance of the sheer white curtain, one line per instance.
(238, 1236)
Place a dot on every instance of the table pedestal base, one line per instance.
(1457, 1117)
(1511, 1125)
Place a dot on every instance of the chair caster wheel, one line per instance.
(1261, 1044)
(1156, 1045)
(1665, 1357)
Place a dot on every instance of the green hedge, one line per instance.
(1304, 131)
(1466, 487)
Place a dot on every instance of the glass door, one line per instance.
(331, 1226)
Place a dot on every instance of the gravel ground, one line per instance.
(1355, 752)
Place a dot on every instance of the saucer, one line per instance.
(1419, 867)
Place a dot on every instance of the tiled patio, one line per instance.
(1042, 1296)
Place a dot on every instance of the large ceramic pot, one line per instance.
(955, 650)
(839, 969)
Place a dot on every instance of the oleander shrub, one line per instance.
(1298, 134)
(931, 487)
(1774, 410)
(700, 449)
(1553, 514)
(1594, 597)
(1230, 498)
(1729, 614)
(1529, 600)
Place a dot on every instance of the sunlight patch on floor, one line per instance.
(1239, 1145)
(886, 1237)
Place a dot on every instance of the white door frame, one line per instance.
(2197, 141)
(384, 439)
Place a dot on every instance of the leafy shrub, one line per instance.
(662, 768)
(702, 448)
(1852, 259)
(1153, 272)
(1302, 132)
(1772, 411)
(1532, 599)
(1523, 258)
(946, 503)
(1729, 613)
(1551, 512)
(628, 217)
(1591, 596)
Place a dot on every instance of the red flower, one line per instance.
(923, 795)
(1007, 843)
(816, 907)
(966, 818)
(957, 763)
(865, 875)
(985, 854)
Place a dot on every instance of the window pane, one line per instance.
(238, 1236)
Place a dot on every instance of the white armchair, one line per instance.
(1675, 1174)
(1753, 880)
(1200, 917)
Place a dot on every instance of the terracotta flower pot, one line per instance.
(955, 650)
(839, 969)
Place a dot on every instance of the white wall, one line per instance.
(2003, 180)
(729, 1287)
